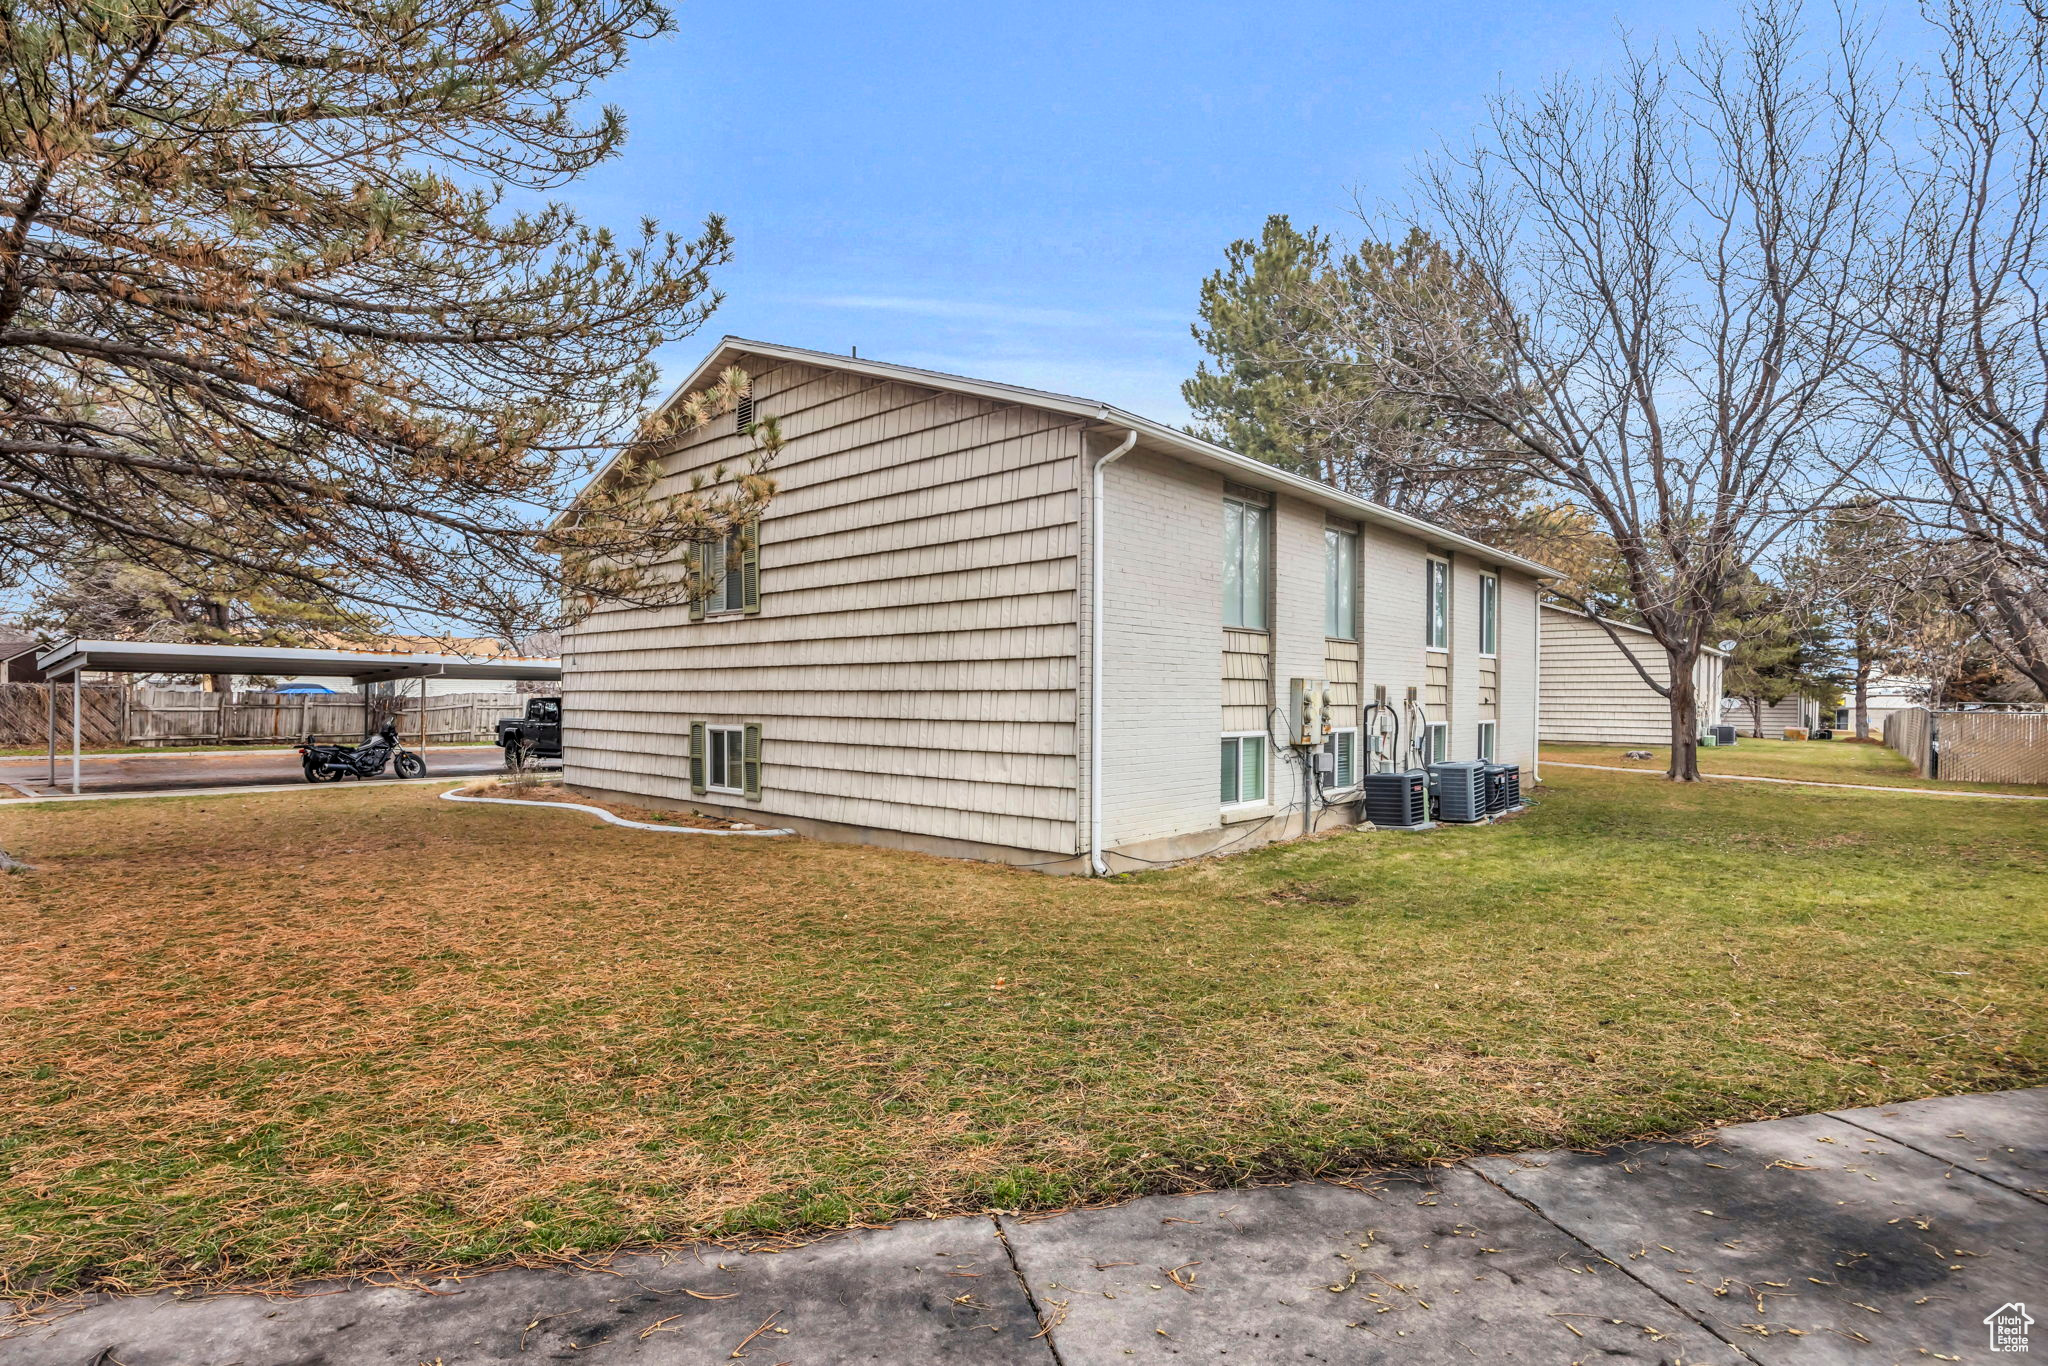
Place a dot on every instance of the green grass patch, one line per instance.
(1813, 761)
(271, 1036)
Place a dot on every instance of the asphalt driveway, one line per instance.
(1883, 1235)
(169, 771)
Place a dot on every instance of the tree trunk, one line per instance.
(1756, 718)
(216, 616)
(1685, 718)
(1862, 717)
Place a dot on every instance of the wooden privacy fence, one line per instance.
(1972, 746)
(113, 715)
(25, 714)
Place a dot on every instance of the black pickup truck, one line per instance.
(536, 735)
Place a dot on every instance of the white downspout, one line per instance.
(1095, 517)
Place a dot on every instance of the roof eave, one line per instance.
(1177, 442)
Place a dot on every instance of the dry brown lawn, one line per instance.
(282, 1035)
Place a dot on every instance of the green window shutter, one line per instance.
(750, 765)
(697, 758)
(699, 565)
(750, 570)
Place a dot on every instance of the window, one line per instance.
(1437, 740)
(1342, 747)
(1340, 584)
(729, 569)
(1437, 595)
(1486, 729)
(730, 595)
(1489, 614)
(1244, 769)
(725, 758)
(1244, 564)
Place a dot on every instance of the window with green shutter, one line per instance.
(729, 570)
(697, 784)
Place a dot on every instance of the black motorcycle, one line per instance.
(332, 763)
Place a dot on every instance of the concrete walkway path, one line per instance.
(1884, 1235)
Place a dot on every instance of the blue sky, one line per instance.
(1032, 192)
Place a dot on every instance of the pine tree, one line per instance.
(263, 314)
(1273, 390)
(1291, 390)
(1783, 648)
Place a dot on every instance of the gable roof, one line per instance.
(1152, 435)
(1623, 625)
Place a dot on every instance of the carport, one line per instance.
(76, 658)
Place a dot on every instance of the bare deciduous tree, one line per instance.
(1957, 302)
(1665, 253)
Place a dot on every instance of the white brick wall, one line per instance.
(1164, 625)
(1163, 615)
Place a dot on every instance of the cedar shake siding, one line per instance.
(913, 662)
(1593, 695)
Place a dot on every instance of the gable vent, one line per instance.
(743, 415)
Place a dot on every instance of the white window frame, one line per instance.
(1262, 544)
(1350, 736)
(1433, 640)
(1436, 748)
(1340, 577)
(1487, 740)
(1265, 768)
(736, 759)
(1489, 616)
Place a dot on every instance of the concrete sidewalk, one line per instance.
(1880, 1236)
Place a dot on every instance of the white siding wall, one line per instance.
(913, 665)
(1593, 695)
(1793, 711)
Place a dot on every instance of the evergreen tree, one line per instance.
(1292, 391)
(1273, 391)
(261, 314)
(1863, 568)
(1783, 648)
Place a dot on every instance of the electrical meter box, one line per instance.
(1308, 707)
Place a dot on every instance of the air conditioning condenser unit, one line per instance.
(1397, 800)
(1460, 790)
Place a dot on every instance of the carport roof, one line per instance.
(67, 657)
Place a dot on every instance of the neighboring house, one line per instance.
(1770, 721)
(906, 655)
(18, 659)
(469, 647)
(1886, 696)
(1593, 695)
